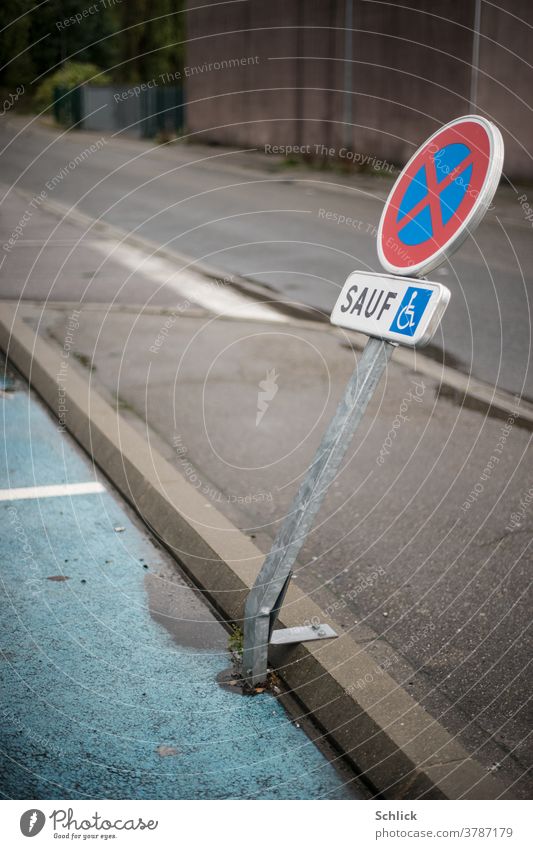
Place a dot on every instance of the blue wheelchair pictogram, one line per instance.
(432, 199)
(410, 311)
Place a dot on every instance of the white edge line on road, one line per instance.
(189, 284)
(52, 491)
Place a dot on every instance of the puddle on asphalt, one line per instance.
(229, 679)
(183, 614)
(462, 399)
(177, 608)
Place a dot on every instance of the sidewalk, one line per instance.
(416, 553)
(110, 658)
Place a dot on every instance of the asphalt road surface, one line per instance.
(254, 216)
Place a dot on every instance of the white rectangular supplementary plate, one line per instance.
(400, 309)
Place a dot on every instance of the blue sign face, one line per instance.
(410, 311)
(448, 195)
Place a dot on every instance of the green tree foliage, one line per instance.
(16, 59)
(150, 44)
(69, 76)
(65, 39)
(132, 40)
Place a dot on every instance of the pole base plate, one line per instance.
(301, 634)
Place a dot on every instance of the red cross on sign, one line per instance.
(441, 196)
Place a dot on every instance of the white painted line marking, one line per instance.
(194, 288)
(51, 491)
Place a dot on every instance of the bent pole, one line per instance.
(266, 596)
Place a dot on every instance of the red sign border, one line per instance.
(418, 267)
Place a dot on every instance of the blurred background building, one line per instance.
(365, 76)
(369, 76)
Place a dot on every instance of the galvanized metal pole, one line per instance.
(266, 596)
(348, 70)
(474, 68)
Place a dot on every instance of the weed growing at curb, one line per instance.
(236, 642)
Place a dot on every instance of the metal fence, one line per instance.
(137, 111)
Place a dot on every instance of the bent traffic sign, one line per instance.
(398, 309)
(441, 196)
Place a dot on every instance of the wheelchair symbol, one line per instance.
(410, 311)
(406, 317)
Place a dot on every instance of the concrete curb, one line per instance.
(386, 735)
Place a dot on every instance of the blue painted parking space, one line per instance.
(109, 658)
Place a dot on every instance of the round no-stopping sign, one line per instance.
(441, 196)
